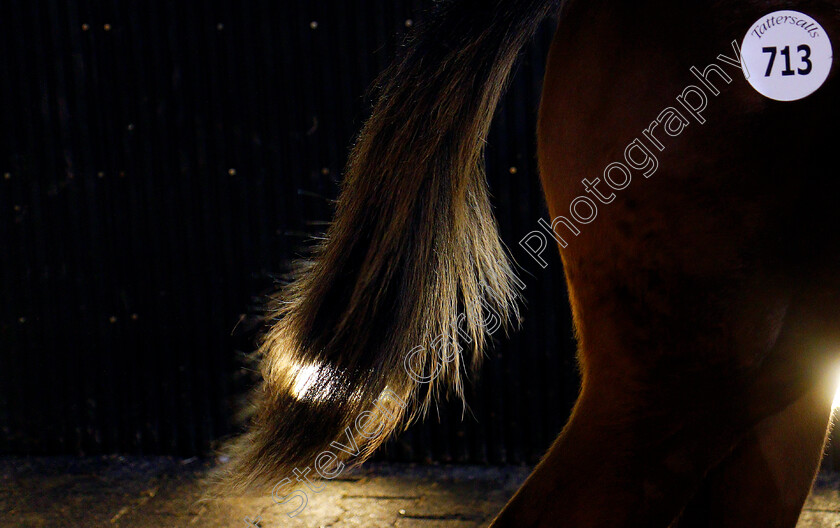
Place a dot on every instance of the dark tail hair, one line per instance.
(412, 247)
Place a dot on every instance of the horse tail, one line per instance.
(410, 269)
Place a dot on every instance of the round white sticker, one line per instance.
(786, 55)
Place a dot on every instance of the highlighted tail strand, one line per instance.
(411, 261)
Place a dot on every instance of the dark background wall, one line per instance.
(160, 164)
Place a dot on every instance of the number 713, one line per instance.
(804, 49)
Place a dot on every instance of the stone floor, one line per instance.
(162, 493)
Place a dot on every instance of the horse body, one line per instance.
(703, 289)
(704, 296)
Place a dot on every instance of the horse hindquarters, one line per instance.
(702, 284)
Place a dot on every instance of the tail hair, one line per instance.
(411, 268)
